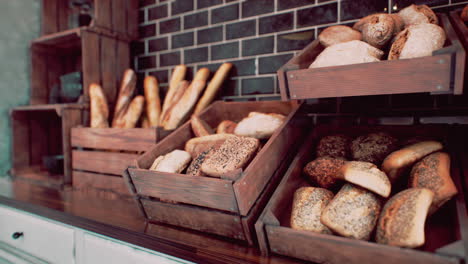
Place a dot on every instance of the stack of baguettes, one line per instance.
(182, 98)
(352, 192)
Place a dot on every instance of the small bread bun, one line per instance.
(226, 126)
(173, 162)
(418, 14)
(402, 220)
(259, 125)
(322, 171)
(366, 175)
(338, 34)
(433, 173)
(353, 212)
(373, 147)
(307, 208)
(335, 146)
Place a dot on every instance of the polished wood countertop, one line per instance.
(118, 217)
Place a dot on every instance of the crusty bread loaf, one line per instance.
(338, 34)
(399, 161)
(417, 41)
(322, 171)
(176, 77)
(99, 107)
(199, 127)
(336, 146)
(194, 168)
(373, 147)
(377, 29)
(197, 145)
(259, 125)
(153, 102)
(213, 87)
(233, 154)
(433, 173)
(351, 52)
(401, 222)
(353, 212)
(127, 88)
(173, 162)
(226, 126)
(366, 175)
(418, 14)
(308, 205)
(133, 113)
(178, 93)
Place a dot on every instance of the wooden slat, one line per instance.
(63, 15)
(204, 191)
(49, 16)
(39, 82)
(38, 138)
(194, 218)
(59, 38)
(103, 13)
(136, 139)
(462, 31)
(70, 118)
(119, 16)
(132, 18)
(91, 53)
(55, 69)
(108, 62)
(84, 180)
(20, 139)
(102, 162)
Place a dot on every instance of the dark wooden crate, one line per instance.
(101, 155)
(217, 205)
(39, 131)
(440, 73)
(118, 17)
(445, 231)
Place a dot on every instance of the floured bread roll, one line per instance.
(417, 41)
(259, 125)
(351, 52)
(174, 162)
(418, 14)
(338, 34)
(379, 29)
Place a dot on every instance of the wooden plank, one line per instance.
(38, 136)
(132, 18)
(133, 139)
(103, 9)
(39, 81)
(119, 16)
(194, 218)
(102, 162)
(20, 139)
(459, 26)
(63, 14)
(91, 53)
(108, 62)
(70, 118)
(84, 180)
(55, 69)
(204, 191)
(49, 16)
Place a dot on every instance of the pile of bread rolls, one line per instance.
(181, 100)
(224, 153)
(352, 194)
(413, 32)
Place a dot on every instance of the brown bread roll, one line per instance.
(353, 212)
(373, 147)
(322, 171)
(153, 102)
(99, 107)
(401, 222)
(226, 126)
(433, 173)
(338, 34)
(418, 14)
(127, 88)
(336, 146)
(308, 205)
(133, 113)
(197, 145)
(377, 29)
(199, 127)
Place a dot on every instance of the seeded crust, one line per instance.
(418, 14)
(322, 171)
(307, 208)
(233, 154)
(373, 147)
(398, 221)
(433, 173)
(335, 146)
(353, 212)
(195, 166)
(338, 34)
(365, 175)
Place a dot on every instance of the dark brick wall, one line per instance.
(257, 36)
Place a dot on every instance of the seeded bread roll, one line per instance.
(308, 205)
(418, 14)
(226, 126)
(336, 146)
(366, 175)
(377, 29)
(338, 34)
(195, 166)
(323, 170)
(197, 145)
(401, 222)
(353, 212)
(373, 147)
(233, 154)
(399, 161)
(259, 125)
(433, 173)
(173, 162)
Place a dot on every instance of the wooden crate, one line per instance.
(118, 17)
(216, 205)
(440, 73)
(101, 155)
(39, 131)
(445, 231)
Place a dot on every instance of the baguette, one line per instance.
(181, 88)
(133, 112)
(185, 105)
(127, 88)
(145, 122)
(173, 162)
(398, 161)
(197, 145)
(99, 107)
(401, 222)
(226, 126)
(199, 127)
(213, 87)
(153, 102)
(177, 76)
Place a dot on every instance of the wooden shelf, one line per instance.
(61, 39)
(38, 176)
(49, 107)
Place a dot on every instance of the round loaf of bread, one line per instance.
(433, 173)
(373, 147)
(353, 212)
(335, 146)
(418, 14)
(322, 171)
(377, 29)
(307, 208)
(338, 34)
(402, 220)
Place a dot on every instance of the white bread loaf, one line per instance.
(338, 34)
(418, 14)
(259, 125)
(173, 162)
(377, 29)
(197, 145)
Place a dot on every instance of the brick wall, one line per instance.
(257, 36)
